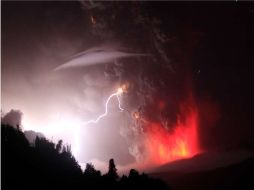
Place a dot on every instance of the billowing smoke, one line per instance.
(156, 86)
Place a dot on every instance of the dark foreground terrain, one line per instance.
(45, 165)
(234, 176)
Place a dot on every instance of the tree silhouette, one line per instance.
(59, 146)
(133, 174)
(91, 172)
(112, 171)
(45, 165)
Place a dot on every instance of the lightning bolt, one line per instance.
(117, 95)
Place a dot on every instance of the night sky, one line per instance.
(190, 58)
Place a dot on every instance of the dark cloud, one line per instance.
(192, 55)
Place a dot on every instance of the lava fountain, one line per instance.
(165, 144)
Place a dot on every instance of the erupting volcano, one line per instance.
(175, 142)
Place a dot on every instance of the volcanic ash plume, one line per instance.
(161, 120)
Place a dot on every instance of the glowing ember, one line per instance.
(136, 115)
(120, 90)
(93, 21)
(182, 142)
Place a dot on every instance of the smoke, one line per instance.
(157, 87)
(92, 5)
(12, 118)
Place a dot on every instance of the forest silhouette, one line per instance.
(45, 165)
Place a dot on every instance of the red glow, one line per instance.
(182, 142)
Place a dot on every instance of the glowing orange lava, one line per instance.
(182, 142)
